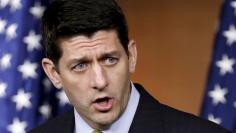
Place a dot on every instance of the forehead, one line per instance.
(100, 41)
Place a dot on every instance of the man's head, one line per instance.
(67, 18)
(90, 57)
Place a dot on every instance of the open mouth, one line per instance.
(103, 104)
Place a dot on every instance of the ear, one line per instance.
(52, 73)
(132, 55)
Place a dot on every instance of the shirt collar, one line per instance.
(122, 125)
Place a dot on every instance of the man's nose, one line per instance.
(98, 76)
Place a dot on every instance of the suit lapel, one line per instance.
(66, 123)
(147, 117)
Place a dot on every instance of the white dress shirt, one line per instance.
(121, 125)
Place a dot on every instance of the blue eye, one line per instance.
(110, 61)
(80, 67)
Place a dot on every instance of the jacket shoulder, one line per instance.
(170, 120)
(179, 121)
(61, 124)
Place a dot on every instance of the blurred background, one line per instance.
(175, 41)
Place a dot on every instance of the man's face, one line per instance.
(95, 74)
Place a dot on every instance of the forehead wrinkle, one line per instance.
(96, 53)
(80, 46)
(100, 37)
(90, 44)
(87, 42)
(93, 51)
(76, 47)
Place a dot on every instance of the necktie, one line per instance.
(96, 131)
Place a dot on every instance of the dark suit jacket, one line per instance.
(150, 117)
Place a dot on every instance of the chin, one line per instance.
(105, 120)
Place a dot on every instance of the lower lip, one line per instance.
(104, 106)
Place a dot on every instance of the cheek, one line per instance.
(121, 72)
(120, 81)
(80, 99)
(76, 90)
(73, 82)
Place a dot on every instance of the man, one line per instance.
(90, 56)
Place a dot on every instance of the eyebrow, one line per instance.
(78, 60)
(109, 54)
(100, 57)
